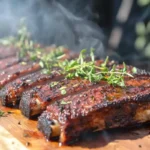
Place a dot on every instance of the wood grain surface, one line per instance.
(17, 132)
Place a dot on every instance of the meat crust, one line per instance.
(11, 93)
(7, 51)
(8, 62)
(97, 109)
(18, 70)
(34, 101)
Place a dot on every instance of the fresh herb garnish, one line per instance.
(70, 68)
(134, 70)
(23, 42)
(2, 113)
(52, 84)
(65, 103)
(5, 114)
(88, 70)
(48, 61)
(63, 90)
(24, 63)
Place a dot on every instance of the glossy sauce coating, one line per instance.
(98, 108)
(16, 71)
(11, 93)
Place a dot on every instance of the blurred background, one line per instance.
(118, 28)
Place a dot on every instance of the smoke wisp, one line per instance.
(53, 22)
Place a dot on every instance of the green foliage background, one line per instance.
(142, 42)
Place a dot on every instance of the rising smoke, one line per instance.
(59, 22)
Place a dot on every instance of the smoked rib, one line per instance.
(11, 93)
(8, 62)
(97, 109)
(34, 101)
(23, 68)
(7, 51)
(9, 74)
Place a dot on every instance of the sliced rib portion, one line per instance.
(11, 93)
(21, 69)
(34, 101)
(18, 70)
(97, 109)
(8, 62)
(7, 51)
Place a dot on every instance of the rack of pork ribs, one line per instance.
(82, 106)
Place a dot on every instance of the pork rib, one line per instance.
(11, 93)
(18, 70)
(7, 51)
(34, 101)
(97, 109)
(8, 62)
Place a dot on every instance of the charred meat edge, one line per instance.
(32, 104)
(16, 71)
(35, 101)
(97, 109)
(11, 94)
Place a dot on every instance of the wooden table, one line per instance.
(19, 133)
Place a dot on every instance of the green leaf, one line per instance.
(65, 103)
(41, 64)
(105, 62)
(134, 70)
(2, 113)
(140, 28)
(82, 56)
(140, 42)
(124, 67)
(147, 50)
(24, 63)
(52, 84)
(63, 90)
(92, 54)
(143, 2)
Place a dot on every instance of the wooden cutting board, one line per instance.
(19, 133)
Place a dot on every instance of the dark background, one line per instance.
(79, 24)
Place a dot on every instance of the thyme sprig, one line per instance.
(88, 70)
(5, 114)
(79, 67)
(2, 113)
(50, 60)
(23, 42)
